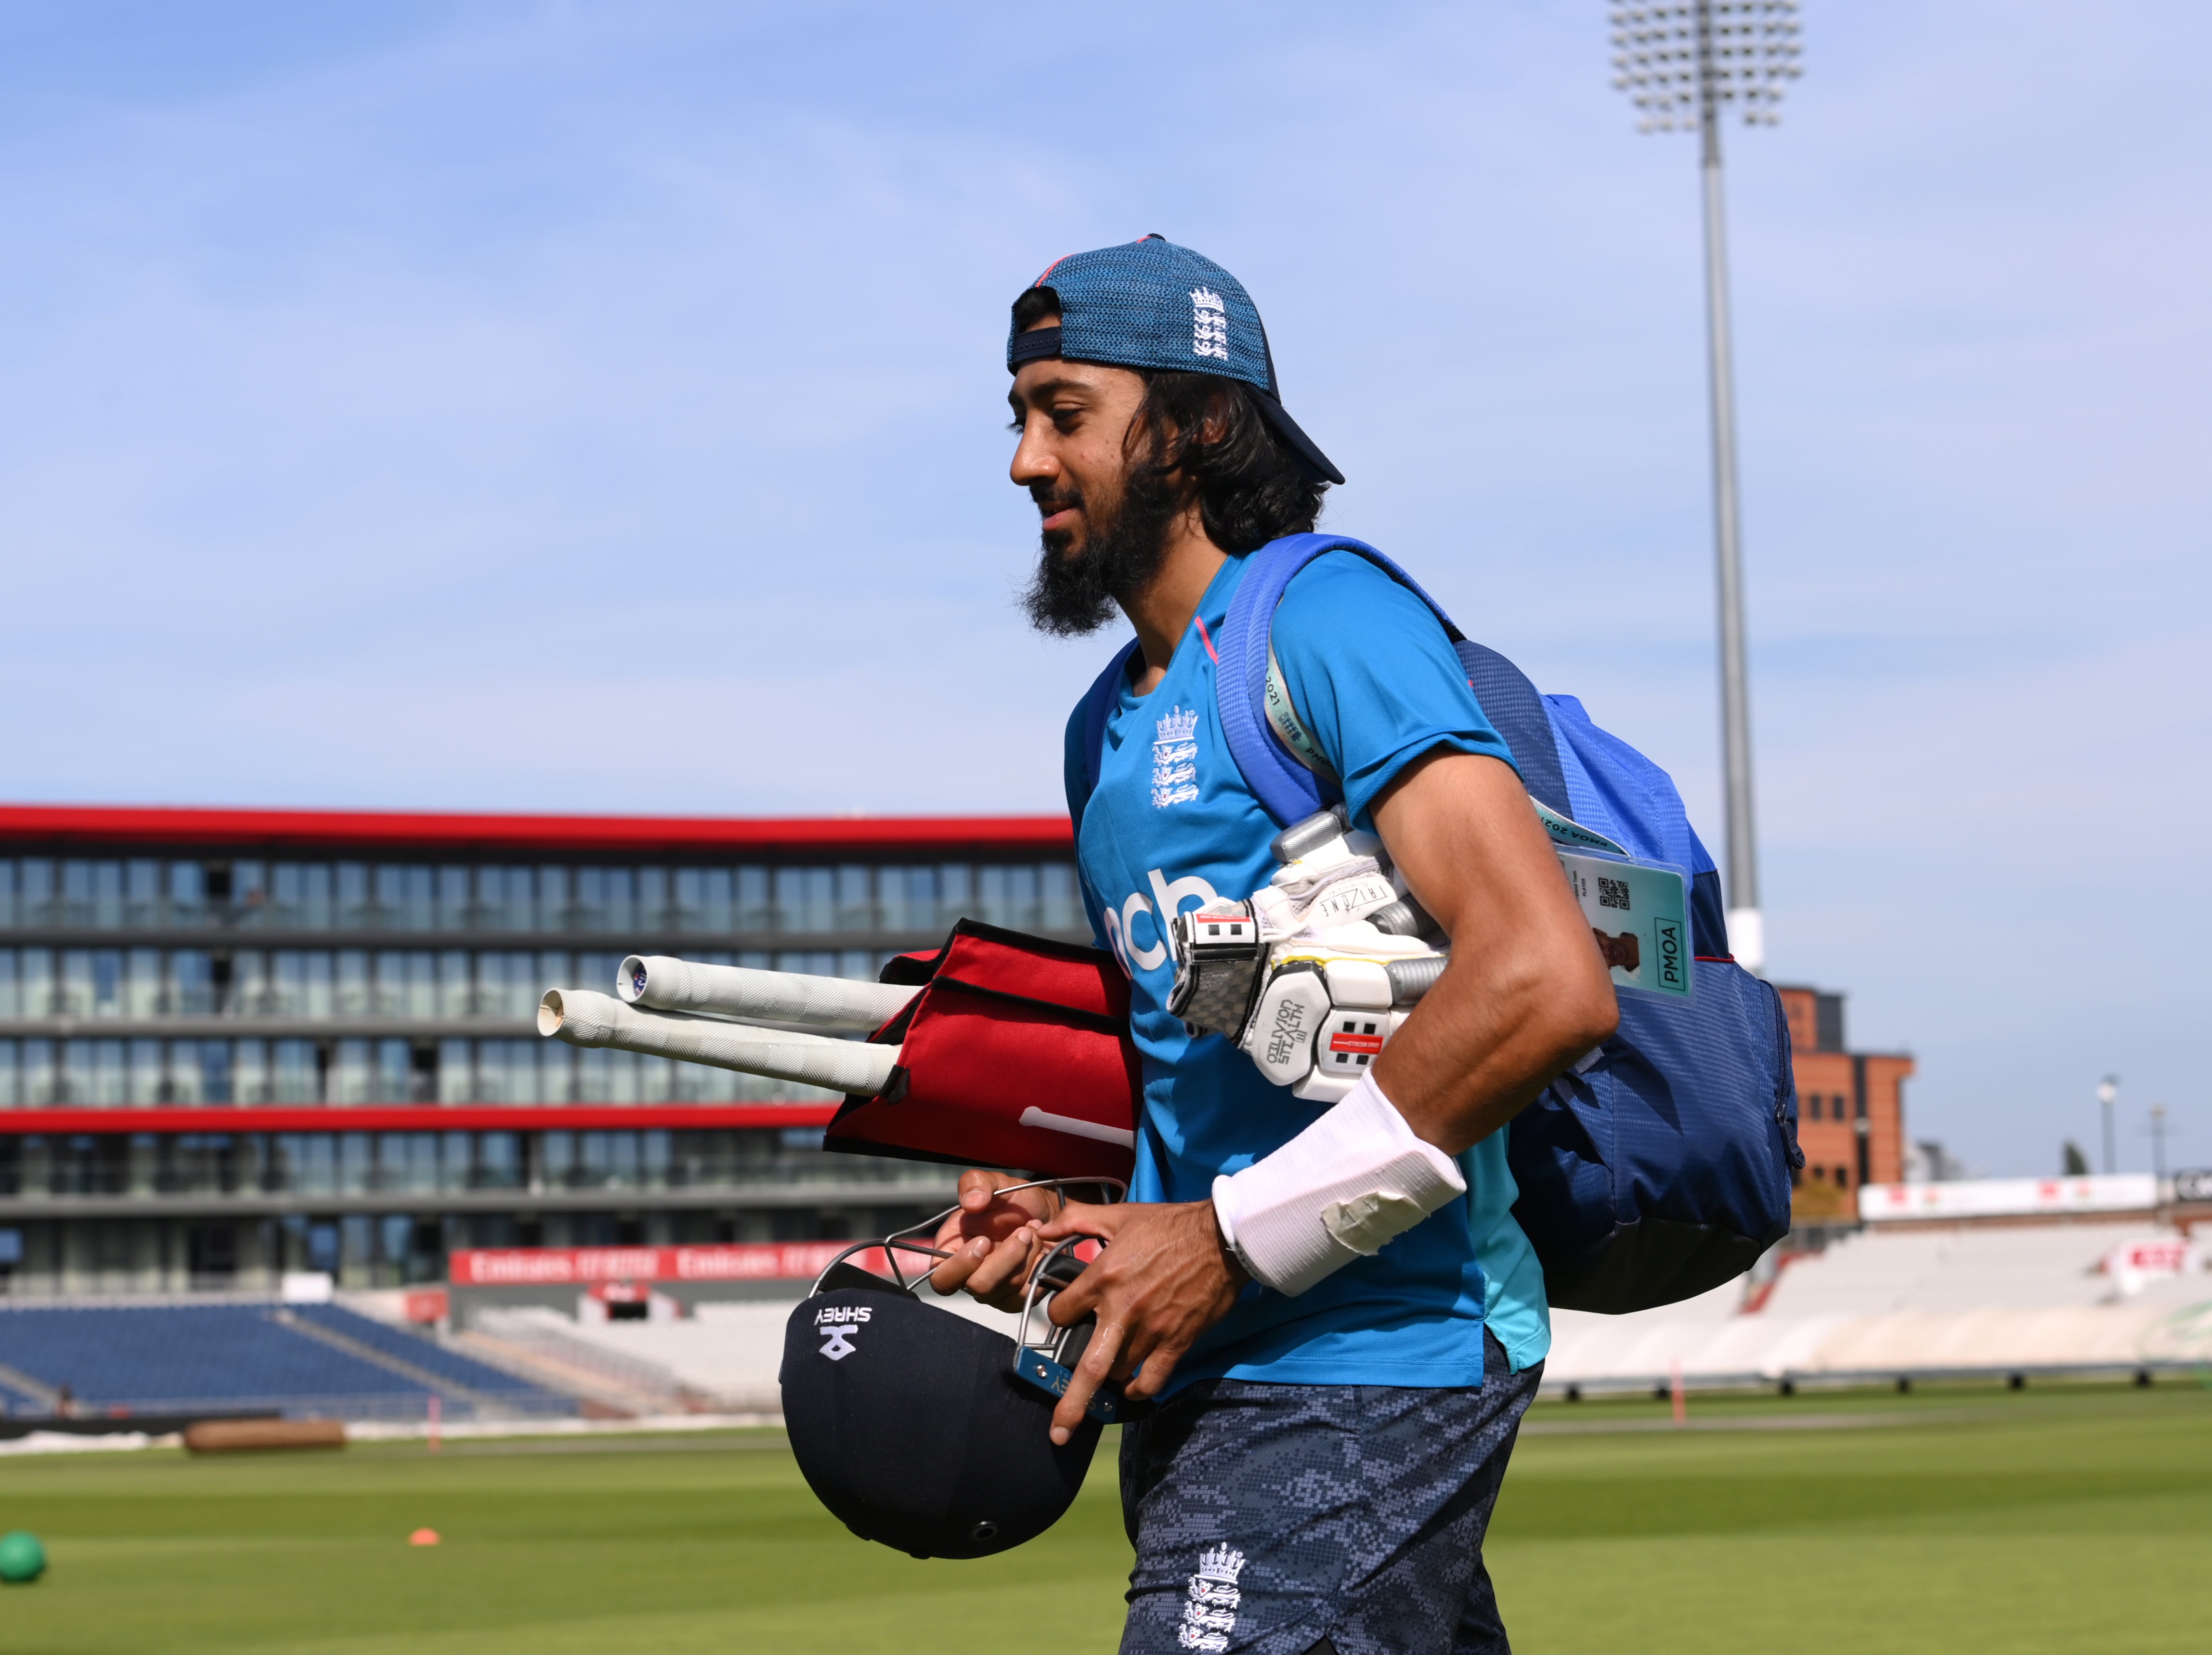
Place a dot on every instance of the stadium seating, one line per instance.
(417, 1350)
(728, 1354)
(1878, 1305)
(2013, 1267)
(1883, 1305)
(168, 1359)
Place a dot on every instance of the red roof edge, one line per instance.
(301, 830)
(412, 1117)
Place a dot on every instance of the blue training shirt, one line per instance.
(1172, 824)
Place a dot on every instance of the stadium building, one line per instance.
(1851, 1110)
(237, 1044)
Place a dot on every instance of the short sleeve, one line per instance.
(1373, 676)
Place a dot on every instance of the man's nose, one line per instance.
(1033, 461)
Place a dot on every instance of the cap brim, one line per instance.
(1315, 463)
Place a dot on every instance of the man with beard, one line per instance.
(1337, 1396)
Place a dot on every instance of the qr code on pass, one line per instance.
(1612, 893)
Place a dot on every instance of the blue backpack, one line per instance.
(1663, 1169)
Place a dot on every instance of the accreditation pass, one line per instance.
(1640, 916)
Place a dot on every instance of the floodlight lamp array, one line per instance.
(1675, 59)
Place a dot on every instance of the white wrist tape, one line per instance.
(1353, 1180)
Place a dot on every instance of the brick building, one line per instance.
(1851, 1108)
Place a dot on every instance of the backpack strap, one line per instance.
(1098, 708)
(1284, 786)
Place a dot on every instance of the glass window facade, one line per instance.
(151, 979)
(143, 1073)
(147, 894)
(420, 1162)
(321, 984)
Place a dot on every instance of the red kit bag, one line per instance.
(1016, 1054)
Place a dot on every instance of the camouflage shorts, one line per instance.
(1280, 1519)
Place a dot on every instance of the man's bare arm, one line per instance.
(1526, 992)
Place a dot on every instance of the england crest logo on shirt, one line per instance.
(1174, 759)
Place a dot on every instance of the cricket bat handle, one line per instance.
(585, 1019)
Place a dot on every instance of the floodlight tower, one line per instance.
(1681, 64)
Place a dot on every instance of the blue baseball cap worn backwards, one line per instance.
(1152, 304)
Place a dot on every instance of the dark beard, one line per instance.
(1068, 597)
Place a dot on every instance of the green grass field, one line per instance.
(1957, 1520)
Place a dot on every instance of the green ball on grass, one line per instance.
(22, 1559)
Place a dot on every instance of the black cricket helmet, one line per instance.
(912, 1425)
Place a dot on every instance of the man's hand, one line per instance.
(1164, 1279)
(993, 1238)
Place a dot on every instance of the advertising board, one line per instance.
(2133, 1265)
(2119, 1192)
(744, 1260)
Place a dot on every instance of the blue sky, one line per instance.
(598, 407)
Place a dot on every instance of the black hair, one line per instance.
(1247, 483)
(1033, 306)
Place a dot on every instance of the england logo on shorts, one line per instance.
(1209, 1614)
